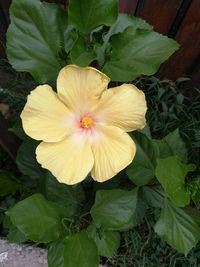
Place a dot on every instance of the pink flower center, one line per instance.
(87, 122)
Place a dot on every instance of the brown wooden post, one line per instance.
(159, 13)
(186, 59)
(127, 6)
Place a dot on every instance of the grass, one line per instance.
(141, 247)
(145, 249)
(170, 107)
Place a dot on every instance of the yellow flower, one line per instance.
(83, 126)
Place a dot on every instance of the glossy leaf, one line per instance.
(141, 208)
(193, 188)
(123, 21)
(142, 169)
(68, 38)
(153, 196)
(171, 173)
(114, 208)
(35, 38)
(113, 183)
(86, 15)
(136, 52)
(26, 160)
(177, 145)
(170, 145)
(161, 149)
(55, 254)
(18, 130)
(146, 131)
(36, 218)
(80, 251)
(179, 227)
(81, 54)
(16, 236)
(107, 242)
(8, 184)
(67, 196)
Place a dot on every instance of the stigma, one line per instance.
(87, 122)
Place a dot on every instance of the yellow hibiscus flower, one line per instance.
(83, 126)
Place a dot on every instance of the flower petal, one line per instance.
(45, 117)
(78, 86)
(123, 106)
(113, 150)
(69, 160)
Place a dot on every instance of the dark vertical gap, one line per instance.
(140, 5)
(4, 6)
(136, 9)
(179, 17)
(3, 27)
(194, 64)
(3, 18)
(66, 4)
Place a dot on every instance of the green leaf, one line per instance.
(153, 196)
(86, 15)
(138, 215)
(140, 211)
(16, 236)
(81, 54)
(136, 52)
(55, 254)
(114, 208)
(171, 173)
(161, 148)
(113, 183)
(179, 227)
(146, 131)
(36, 218)
(107, 242)
(142, 169)
(35, 38)
(193, 188)
(68, 38)
(80, 251)
(68, 196)
(170, 145)
(177, 145)
(26, 160)
(123, 21)
(18, 130)
(8, 184)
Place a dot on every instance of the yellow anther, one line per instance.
(87, 122)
